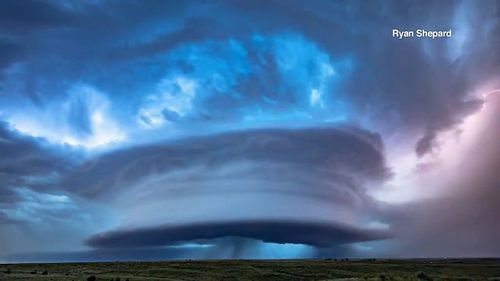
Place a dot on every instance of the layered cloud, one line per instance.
(195, 181)
(347, 155)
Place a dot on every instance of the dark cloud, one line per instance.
(10, 52)
(191, 30)
(310, 233)
(22, 15)
(425, 144)
(23, 160)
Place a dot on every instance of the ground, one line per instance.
(287, 270)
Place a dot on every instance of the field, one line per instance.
(287, 270)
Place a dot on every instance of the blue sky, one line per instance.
(247, 129)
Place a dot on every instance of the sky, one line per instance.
(153, 130)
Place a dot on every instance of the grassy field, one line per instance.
(289, 270)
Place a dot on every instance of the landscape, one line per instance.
(250, 270)
(249, 140)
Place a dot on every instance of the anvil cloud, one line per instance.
(247, 129)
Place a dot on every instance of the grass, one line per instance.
(274, 270)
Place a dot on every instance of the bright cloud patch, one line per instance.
(172, 102)
(263, 79)
(83, 119)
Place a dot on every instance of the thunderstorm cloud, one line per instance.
(248, 129)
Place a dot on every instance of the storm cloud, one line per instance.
(289, 124)
(330, 166)
(310, 233)
(339, 154)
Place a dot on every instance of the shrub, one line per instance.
(423, 276)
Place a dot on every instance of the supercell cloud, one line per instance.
(247, 129)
